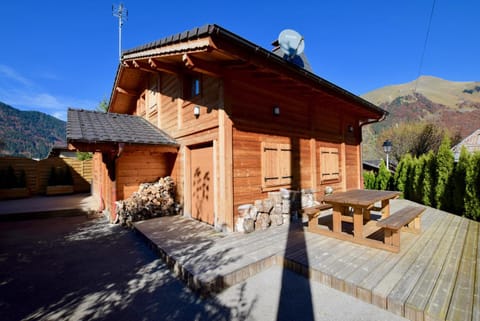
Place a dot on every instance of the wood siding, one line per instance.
(236, 117)
(306, 124)
(141, 165)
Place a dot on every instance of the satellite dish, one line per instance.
(291, 43)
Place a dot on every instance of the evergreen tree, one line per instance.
(459, 182)
(418, 179)
(409, 179)
(472, 189)
(369, 180)
(444, 169)
(401, 172)
(426, 182)
(383, 178)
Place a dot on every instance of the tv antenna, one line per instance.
(122, 14)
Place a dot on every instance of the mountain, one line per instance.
(452, 105)
(29, 134)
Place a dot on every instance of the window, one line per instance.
(276, 165)
(329, 164)
(192, 86)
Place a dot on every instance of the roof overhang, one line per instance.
(217, 52)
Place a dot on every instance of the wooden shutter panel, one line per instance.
(285, 164)
(276, 164)
(270, 164)
(329, 163)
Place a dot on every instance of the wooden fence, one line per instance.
(38, 172)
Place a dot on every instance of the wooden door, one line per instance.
(201, 176)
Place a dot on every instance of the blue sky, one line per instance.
(60, 54)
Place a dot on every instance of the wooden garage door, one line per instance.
(202, 184)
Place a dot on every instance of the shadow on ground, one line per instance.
(79, 269)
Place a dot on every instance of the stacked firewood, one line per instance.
(151, 200)
(279, 208)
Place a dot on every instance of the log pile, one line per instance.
(151, 200)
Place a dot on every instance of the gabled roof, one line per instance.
(472, 143)
(214, 50)
(86, 126)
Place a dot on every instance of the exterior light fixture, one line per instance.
(276, 111)
(350, 128)
(196, 111)
(387, 148)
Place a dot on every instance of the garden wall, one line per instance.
(37, 173)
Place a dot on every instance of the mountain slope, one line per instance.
(29, 133)
(452, 94)
(452, 105)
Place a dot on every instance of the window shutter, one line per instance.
(270, 168)
(329, 163)
(276, 164)
(285, 164)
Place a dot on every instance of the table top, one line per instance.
(359, 197)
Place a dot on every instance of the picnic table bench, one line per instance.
(313, 212)
(407, 219)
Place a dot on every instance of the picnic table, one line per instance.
(355, 206)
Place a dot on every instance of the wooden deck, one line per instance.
(435, 276)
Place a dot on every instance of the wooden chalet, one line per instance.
(237, 122)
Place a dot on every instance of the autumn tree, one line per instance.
(416, 138)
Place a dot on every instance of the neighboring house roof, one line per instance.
(374, 165)
(228, 50)
(472, 143)
(61, 151)
(86, 126)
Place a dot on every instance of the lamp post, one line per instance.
(387, 148)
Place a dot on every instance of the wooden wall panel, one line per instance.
(247, 162)
(353, 166)
(140, 166)
(170, 93)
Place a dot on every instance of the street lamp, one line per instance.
(387, 148)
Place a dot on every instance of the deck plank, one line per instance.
(373, 282)
(420, 281)
(418, 299)
(401, 291)
(439, 302)
(461, 305)
(476, 296)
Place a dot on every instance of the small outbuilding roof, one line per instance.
(86, 126)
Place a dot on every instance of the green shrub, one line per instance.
(60, 176)
(369, 180)
(459, 182)
(9, 179)
(472, 188)
(444, 168)
(383, 177)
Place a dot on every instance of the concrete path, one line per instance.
(72, 268)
